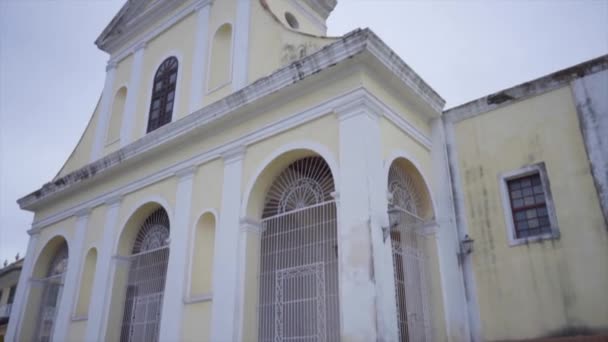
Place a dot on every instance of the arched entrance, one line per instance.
(409, 208)
(298, 293)
(51, 286)
(145, 285)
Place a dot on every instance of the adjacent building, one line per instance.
(244, 177)
(9, 277)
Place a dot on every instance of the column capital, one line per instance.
(113, 200)
(82, 212)
(234, 154)
(202, 4)
(140, 46)
(186, 173)
(249, 225)
(363, 105)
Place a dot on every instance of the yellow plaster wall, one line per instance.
(279, 7)
(535, 289)
(196, 323)
(77, 331)
(95, 226)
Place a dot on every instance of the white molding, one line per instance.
(206, 297)
(120, 54)
(310, 145)
(79, 318)
(241, 43)
(503, 178)
(400, 153)
(279, 126)
(249, 225)
(234, 154)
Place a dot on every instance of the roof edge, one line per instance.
(350, 45)
(525, 90)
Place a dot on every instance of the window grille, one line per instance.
(528, 206)
(298, 298)
(163, 94)
(146, 280)
(411, 290)
(52, 286)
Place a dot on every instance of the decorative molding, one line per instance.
(111, 65)
(206, 297)
(234, 154)
(80, 318)
(113, 200)
(83, 213)
(360, 106)
(249, 225)
(186, 173)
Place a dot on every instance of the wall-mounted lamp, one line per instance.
(466, 245)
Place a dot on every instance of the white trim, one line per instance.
(207, 297)
(281, 125)
(201, 49)
(241, 43)
(229, 79)
(399, 153)
(178, 86)
(527, 170)
(120, 54)
(310, 145)
(191, 248)
(133, 90)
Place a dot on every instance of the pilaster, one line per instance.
(367, 294)
(71, 281)
(102, 280)
(103, 119)
(22, 295)
(175, 285)
(240, 52)
(201, 47)
(128, 117)
(225, 260)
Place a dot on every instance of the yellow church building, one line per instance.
(244, 177)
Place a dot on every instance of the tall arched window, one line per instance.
(52, 285)
(408, 256)
(298, 297)
(163, 94)
(146, 280)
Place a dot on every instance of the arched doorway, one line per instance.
(298, 293)
(52, 286)
(146, 279)
(409, 208)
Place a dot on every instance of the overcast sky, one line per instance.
(51, 73)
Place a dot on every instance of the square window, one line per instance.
(528, 209)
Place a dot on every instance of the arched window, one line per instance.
(118, 108)
(408, 256)
(163, 94)
(220, 63)
(52, 285)
(298, 298)
(146, 280)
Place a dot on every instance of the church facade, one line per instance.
(244, 177)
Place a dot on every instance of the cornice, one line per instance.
(349, 46)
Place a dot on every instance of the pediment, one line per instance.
(133, 17)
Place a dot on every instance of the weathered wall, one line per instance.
(555, 287)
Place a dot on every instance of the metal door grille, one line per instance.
(411, 290)
(52, 287)
(298, 298)
(146, 280)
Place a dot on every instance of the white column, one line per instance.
(71, 281)
(175, 284)
(128, 116)
(225, 259)
(100, 300)
(23, 291)
(103, 117)
(240, 52)
(249, 240)
(367, 294)
(201, 46)
(448, 241)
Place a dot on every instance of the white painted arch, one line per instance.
(309, 145)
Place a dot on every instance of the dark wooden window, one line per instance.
(11, 294)
(528, 206)
(163, 94)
